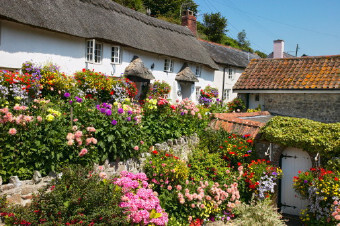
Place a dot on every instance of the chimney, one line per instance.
(189, 20)
(279, 46)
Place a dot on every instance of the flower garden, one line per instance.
(55, 122)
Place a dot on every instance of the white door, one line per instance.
(293, 161)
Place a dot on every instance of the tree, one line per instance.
(261, 54)
(242, 39)
(132, 4)
(169, 8)
(214, 26)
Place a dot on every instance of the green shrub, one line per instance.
(76, 198)
(159, 89)
(165, 169)
(307, 134)
(260, 213)
(236, 105)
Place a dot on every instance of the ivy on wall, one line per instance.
(306, 134)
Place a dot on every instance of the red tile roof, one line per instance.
(301, 73)
(233, 123)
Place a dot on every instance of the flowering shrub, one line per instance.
(236, 104)
(55, 83)
(141, 203)
(208, 95)
(165, 170)
(261, 177)
(159, 89)
(200, 200)
(76, 198)
(322, 189)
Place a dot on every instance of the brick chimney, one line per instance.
(189, 20)
(279, 46)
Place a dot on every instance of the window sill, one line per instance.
(88, 62)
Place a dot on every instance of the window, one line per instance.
(168, 65)
(198, 71)
(94, 51)
(230, 73)
(257, 97)
(226, 94)
(116, 55)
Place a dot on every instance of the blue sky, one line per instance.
(313, 24)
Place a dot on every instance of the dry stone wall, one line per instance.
(21, 192)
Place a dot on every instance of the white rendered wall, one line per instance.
(228, 83)
(20, 43)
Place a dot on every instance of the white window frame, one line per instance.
(198, 71)
(168, 65)
(116, 55)
(226, 94)
(94, 51)
(230, 73)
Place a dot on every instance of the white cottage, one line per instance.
(104, 36)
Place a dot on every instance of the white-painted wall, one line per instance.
(20, 43)
(228, 83)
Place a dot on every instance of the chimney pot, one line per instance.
(190, 21)
(279, 46)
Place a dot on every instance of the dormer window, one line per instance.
(94, 51)
(116, 55)
(168, 65)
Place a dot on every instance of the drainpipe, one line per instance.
(223, 86)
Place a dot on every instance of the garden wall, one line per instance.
(21, 192)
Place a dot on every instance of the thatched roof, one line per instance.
(137, 68)
(227, 55)
(108, 21)
(186, 75)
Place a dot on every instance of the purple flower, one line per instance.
(249, 151)
(128, 119)
(274, 173)
(120, 111)
(114, 122)
(104, 105)
(79, 100)
(103, 110)
(129, 112)
(182, 113)
(67, 95)
(108, 112)
(98, 107)
(70, 101)
(305, 181)
(135, 118)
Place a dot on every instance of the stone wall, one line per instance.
(322, 107)
(21, 192)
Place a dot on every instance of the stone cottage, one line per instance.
(104, 36)
(304, 87)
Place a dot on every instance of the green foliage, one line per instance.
(159, 89)
(132, 4)
(260, 213)
(261, 54)
(242, 39)
(307, 134)
(76, 198)
(166, 169)
(236, 105)
(169, 8)
(214, 26)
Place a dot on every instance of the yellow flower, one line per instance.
(50, 117)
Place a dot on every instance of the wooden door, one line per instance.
(293, 160)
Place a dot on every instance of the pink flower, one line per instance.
(141, 142)
(70, 136)
(192, 112)
(83, 152)
(192, 205)
(169, 188)
(179, 187)
(91, 129)
(100, 168)
(94, 140)
(136, 148)
(75, 128)
(182, 201)
(202, 206)
(39, 118)
(70, 142)
(75, 120)
(103, 175)
(12, 131)
(88, 141)
(78, 134)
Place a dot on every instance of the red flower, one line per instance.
(155, 152)
(239, 163)
(336, 179)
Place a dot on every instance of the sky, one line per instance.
(312, 24)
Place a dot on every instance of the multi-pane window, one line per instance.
(94, 51)
(226, 94)
(116, 55)
(168, 65)
(198, 71)
(230, 73)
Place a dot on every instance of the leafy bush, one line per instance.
(259, 213)
(159, 89)
(307, 134)
(322, 189)
(236, 105)
(76, 198)
(208, 95)
(165, 170)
